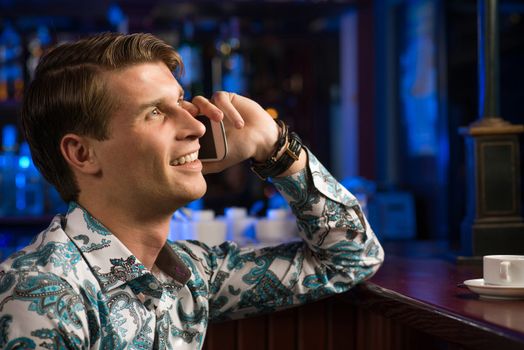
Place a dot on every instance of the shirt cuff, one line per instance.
(295, 187)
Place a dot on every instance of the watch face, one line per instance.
(273, 168)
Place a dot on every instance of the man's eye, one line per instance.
(155, 113)
(179, 102)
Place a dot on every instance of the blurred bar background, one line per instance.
(377, 89)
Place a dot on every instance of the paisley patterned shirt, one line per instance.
(76, 286)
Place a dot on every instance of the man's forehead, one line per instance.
(143, 83)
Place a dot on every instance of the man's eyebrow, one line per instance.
(157, 102)
(148, 105)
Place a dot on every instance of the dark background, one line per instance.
(292, 64)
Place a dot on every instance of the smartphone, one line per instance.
(213, 145)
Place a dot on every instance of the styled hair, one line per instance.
(69, 95)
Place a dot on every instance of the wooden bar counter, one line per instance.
(411, 303)
(428, 295)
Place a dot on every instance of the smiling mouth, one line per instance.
(188, 158)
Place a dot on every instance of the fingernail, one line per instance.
(239, 124)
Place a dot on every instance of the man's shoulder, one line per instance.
(50, 254)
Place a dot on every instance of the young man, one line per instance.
(108, 126)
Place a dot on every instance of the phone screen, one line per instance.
(207, 142)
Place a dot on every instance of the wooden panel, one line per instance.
(221, 336)
(376, 332)
(252, 333)
(312, 327)
(283, 330)
(341, 327)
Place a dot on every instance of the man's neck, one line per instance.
(144, 236)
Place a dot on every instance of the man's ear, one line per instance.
(79, 153)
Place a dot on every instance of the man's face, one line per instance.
(150, 136)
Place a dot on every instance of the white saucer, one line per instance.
(490, 291)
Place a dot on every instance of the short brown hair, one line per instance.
(68, 95)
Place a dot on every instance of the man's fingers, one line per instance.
(191, 108)
(224, 101)
(207, 108)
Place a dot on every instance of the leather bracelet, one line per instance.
(282, 138)
(273, 167)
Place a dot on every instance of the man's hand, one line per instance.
(250, 130)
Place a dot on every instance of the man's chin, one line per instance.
(194, 195)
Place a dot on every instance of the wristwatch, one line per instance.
(276, 166)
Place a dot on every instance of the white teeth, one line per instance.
(185, 159)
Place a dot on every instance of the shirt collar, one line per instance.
(109, 259)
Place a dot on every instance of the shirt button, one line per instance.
(153, 285)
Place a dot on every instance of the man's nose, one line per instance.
(188, 126)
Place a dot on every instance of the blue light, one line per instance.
(233, 79)
(196, 204)
(24, 162)
(20, 180)
(418, 89)
(9, 133)
(115, 16)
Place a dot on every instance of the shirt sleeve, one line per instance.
(40, 311)
(338, 250)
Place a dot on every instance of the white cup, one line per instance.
(202, 215)
(277, 214)
(211, 232)
(276, 231)
(235, 213)
(240, 226)
(504, 270)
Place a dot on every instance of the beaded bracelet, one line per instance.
(273, 166)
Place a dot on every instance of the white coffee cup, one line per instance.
(276, 231)
(504, 270)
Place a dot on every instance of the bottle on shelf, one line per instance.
(233, 78)
(222, 51)
(53, 203)
(227, 65)
(11, 73)
(38, 43)
(8, 166)
(29, 185)
(191, 54)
